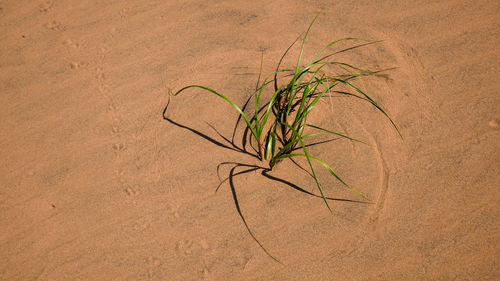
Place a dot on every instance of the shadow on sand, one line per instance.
(248, 148)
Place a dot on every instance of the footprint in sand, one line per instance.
(152, 264)
(207, 274)
(101, 81)
(119, 175)
(72, 43)
(77, 65)
(115, 129)
(124, 12)
(45, 6)
(176, 186)
(55, 25)
(131, 191)
(113, 108)
(190, 247)
(142, 224)
(173, 212)
(119, 147)
(184, 248)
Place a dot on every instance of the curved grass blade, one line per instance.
(335, 133)
(352, 48)
(304, 41)
(279, 63)
(260, 69)
(270, 140)
(290, 146)
(297, 73)
(308, 156)
(254, 133)
(269, 109)
(333, 43)
(372, 102)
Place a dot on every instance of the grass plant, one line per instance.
(278, 127)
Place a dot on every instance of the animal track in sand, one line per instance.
(55, 25)
(113, 108)
(120, 144)
(173, 212)
(184, 247)
(77, 65)
(115, 129)
(152, 263)
(131, 192)
(207, 274)
(175, 185)
(145, 145)
(72, 43)
(45, 6)
(190, 247)
(119, 175)
(101, 82)
(142, 224)
(124, 12)
(119, 147)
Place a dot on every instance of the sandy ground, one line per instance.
(95, 185)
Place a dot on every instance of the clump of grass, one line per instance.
(279, 126)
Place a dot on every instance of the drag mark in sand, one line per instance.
(384, 186)
(384, 173)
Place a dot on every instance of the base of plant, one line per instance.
(278, 126)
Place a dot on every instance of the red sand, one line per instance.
(96, 186)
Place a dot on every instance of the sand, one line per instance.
(95, 185)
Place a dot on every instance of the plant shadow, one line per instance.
(230, 144)
(247, 147)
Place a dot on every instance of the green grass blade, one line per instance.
(305, 96)
(328, 168)
(254, 133)
(335, 133)
(368, 42)
(269, 109)
(290, 146)
(275, 80)
(260, 70)
(257, 103)
(271, 143)
(333, 43)
(297, 73)
(372, 102)
(306, 154)
(304, 41)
